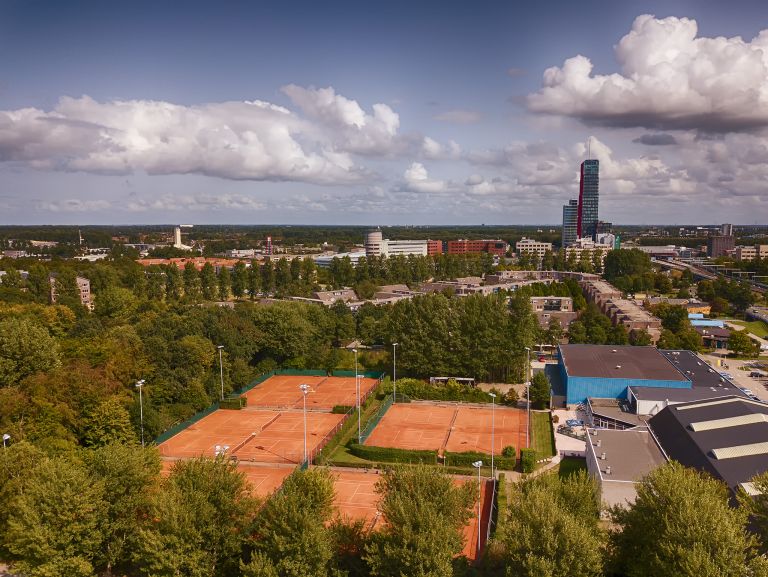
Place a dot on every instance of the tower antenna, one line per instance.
(589, 147)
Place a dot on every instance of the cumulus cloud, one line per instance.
(459, 116)
(669, 79)
(202, 202)
(433, 150)
(417, 179)
(661, 139)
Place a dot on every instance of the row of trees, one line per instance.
(681, 524)
(108, 511)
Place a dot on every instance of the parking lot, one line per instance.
(741, 378)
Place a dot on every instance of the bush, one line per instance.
(391, 455)
(555, 419)
(508, 451)
(233, 403)
(528, 460)
(511, 398)
(451, 391)
(466, 459)
(341, 409)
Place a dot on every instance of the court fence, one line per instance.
(371, 425)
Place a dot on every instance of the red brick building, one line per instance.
(434, 247)
(463, 246)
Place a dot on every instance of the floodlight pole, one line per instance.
(6, 438)
(357, 391)
(528, 397)
(139, 385)
(493, 431)
(305, 390)
(394, 373)
(478, 465)
(221, 371)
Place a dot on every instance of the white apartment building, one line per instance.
(376, 245)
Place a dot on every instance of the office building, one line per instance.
(719, 245)
(751, 252)
(588, 199)
(377, 245)
(570, 222)
(530, 246)
(434, 247)
(463, 246)
(726, 229)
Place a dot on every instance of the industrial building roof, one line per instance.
(618, 362)
(726, 437)
(631, 454)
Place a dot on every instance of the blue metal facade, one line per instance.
(577, 389)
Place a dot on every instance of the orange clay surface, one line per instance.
(449, 427)
(356, 498)
(282, 391)
(252, 435)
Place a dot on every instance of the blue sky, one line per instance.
(380, 113)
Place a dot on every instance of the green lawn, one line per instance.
(757, 328)
(542, 438)
(571, 465)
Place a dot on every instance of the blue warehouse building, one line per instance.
(607, 371)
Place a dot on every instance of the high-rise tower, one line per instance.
(588, 199)
(570, 222)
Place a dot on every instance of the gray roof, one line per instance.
(726, 437)
(699, 372)
(631, 454)
(615, 361)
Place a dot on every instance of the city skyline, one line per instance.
(297, 113)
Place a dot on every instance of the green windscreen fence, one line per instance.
(164, 436)
(371, 425)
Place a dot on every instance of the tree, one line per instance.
(683, 516)
(225, 283)
(540, 391)
(208, 282)
(56, 524)
(577, 333)
(425, 514)
(25, 348)
(552, 528)
(173, 282)
(191, 282)
(11, 278)
(116, 303)
(639, 338)
(128, 474)
(109, 422)
(254, 280)
(239, 279)
(290, 533)
(740, 344)
(197, 522)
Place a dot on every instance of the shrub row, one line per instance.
(466, 459)
(451, 391)
(341, 409)
(391, 455)
(528, 460)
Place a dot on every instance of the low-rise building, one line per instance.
(15, 254)
(464, 246)
(83, 290)
(534, 247)
(620, 310)
(586, 245)
(619, 459)
(742, 253)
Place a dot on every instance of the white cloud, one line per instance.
(669, 79)
(459, 116)
(433, 150)
(416, 179)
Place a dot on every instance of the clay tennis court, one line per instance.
(252, 435)
(356, 498)
(449, 427)
(282, 391)
(264, 480)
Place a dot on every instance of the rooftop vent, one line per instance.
(608, 470)
(599, 442)
(613, 350)
(602, 455)
(618, 366)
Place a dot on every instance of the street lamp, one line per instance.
(394, 373)
(357, 390)
(6, 438)
(139, 385)
(221, 371)
(528, 397)
(493, 429)
(305, 391)
(477, 465)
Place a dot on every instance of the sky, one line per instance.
(381, 113)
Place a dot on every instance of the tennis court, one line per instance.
(449, 427)
(356, 498)
(253, 435)
(265, 480)
(282, 392)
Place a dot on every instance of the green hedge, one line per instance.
(528, 460)
(466, 459)
(451, 391)
(341, 409)
(391, 455)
